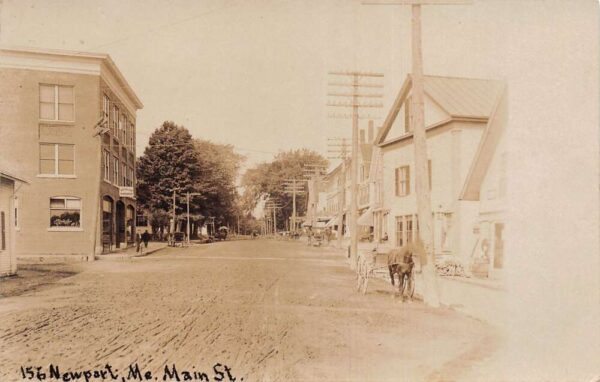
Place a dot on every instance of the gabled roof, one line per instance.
(468, 98)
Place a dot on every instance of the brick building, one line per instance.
(68, 125)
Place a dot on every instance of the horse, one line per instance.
(400, 262)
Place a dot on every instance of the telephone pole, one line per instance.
(425, 218)
(355, 102)
(292, 187)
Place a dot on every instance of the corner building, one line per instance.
(68, 126)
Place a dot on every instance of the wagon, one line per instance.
(376, 261)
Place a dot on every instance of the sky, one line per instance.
(254, 74)
(249, 73)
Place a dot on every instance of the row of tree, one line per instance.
(267, 180)
(174, 161)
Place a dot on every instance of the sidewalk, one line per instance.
(127, 253)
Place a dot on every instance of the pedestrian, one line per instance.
(309, 233)
(328, 235)
(138, 242)
(146, 238)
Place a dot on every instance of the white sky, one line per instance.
(254, 73)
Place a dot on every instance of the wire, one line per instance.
(163, 26)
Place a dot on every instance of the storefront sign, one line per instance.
(126, 192)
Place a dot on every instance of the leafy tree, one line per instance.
(219, 167)
(170, 162)
(269, 178)
(173, 160)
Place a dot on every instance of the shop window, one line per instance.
(65, 212)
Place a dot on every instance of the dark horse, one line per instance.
(400, 262)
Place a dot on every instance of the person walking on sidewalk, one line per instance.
(146, 238)
(138, 242)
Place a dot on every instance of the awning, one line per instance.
(366, 219)
(333, 222)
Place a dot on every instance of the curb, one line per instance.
(123, 256)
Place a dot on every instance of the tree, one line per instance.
(219, 167)
(169, 163)
(268, 179)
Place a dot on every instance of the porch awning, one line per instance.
(333, 222)
(366, 219)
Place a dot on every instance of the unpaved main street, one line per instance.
(268, 310)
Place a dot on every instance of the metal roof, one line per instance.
(459, 97)
(464, 97)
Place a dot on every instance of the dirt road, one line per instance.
(263, 310)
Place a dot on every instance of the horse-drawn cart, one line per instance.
(396, 261)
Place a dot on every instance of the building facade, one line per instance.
(459, 114)
(69, 125)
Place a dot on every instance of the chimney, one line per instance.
(362, 136)
(370, 132)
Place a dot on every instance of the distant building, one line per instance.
(68, 124)
(464, 119)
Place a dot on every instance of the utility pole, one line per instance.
(292, 187)
(272, 205)
(173, 224)
(341, 152)
(425, 218)
(355, 103)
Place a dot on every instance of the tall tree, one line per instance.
(268, 179)
(169, 162)
(219, 167)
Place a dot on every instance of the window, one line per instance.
(57, 159)
(106, 106)
(399, 232)
(65, 212)
(131, 135)
(141, 220)
(122, 125)
(56, 103)
(404, 229)
(409, 228)
(114, 122)
(402, 181)
(130, 176)
(106, 165)
(124, 181)
(116, 171)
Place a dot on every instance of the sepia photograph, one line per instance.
(300, 190)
